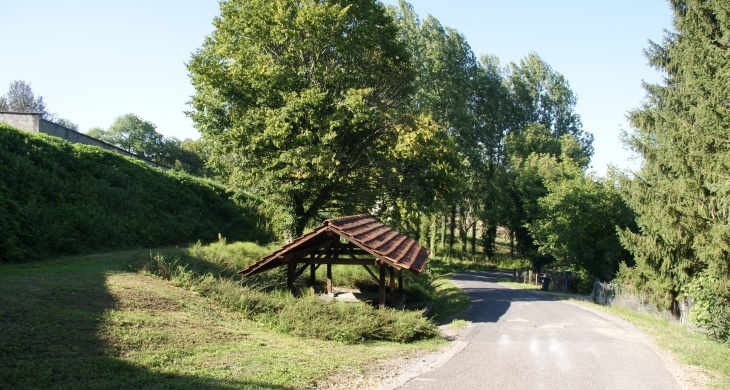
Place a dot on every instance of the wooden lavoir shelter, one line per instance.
(367, 242)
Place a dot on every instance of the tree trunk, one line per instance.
(443, 230)
(452, 228)
(463, 230)
(511, 244)
(433, 229)
(297, 220)
(474, 238)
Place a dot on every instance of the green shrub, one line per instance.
(711, 309)
(63, 198)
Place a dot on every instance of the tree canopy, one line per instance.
(135, 135)
(301, 100)
(681, 193)
(20, 98)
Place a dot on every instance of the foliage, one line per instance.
(681, 193)
(536, 159)
(60, 198)
(465, 99)
(20, 98)
(135, 135)
(67, 124)
(576, 223)
(543, 96)
(711, 309)
(299, 100)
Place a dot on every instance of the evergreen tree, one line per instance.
(681, 194)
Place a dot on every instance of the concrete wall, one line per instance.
(27, 122)
(34, 124)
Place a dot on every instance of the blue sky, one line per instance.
(95, 60)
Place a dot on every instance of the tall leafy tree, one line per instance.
(20, 98)
(540, 119)
(463, 97)
(135, 135)
(576, 223)
(536, 159)
(542, 95)
(681, 194)
(300, 100)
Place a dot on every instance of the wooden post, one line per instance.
(391, 271)
(400, 283)
(381, 300)
(291, 269)
(336, 255)
(312, 278)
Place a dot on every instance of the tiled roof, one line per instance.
(364, 231)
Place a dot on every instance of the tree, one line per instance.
(536, 159)
(300, 100)
(541, 95)
(135, 135)
(67, 124)
(20, 98)
(539, 119)
(464, 97)
(681, 194)
(576, 223)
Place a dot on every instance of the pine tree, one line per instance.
(682, 191)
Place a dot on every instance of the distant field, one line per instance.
(93, 322)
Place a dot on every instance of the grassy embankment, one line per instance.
(96, 321)
(177, 318)
(62, 198)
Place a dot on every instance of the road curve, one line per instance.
(527, 340)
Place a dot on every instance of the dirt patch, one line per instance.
(393, 372)
(382, 372)
(133, 292)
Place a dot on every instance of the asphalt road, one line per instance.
(527, 340)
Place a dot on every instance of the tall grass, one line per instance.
(211, 272)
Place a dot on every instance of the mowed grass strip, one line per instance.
(90, 322)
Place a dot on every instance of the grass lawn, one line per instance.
(522, 286)
(92, 322)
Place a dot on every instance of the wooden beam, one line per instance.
(312, 275)
(400, 283)
(291, 269)
(375, 278)
(391, 271)
(303, 252)
(300, 271)
(381, 295)
(330, 260)
(336, 255)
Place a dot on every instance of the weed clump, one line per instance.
(211, 273)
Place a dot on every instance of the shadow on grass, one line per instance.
(51, 337)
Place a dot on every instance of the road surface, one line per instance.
(527, 340)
